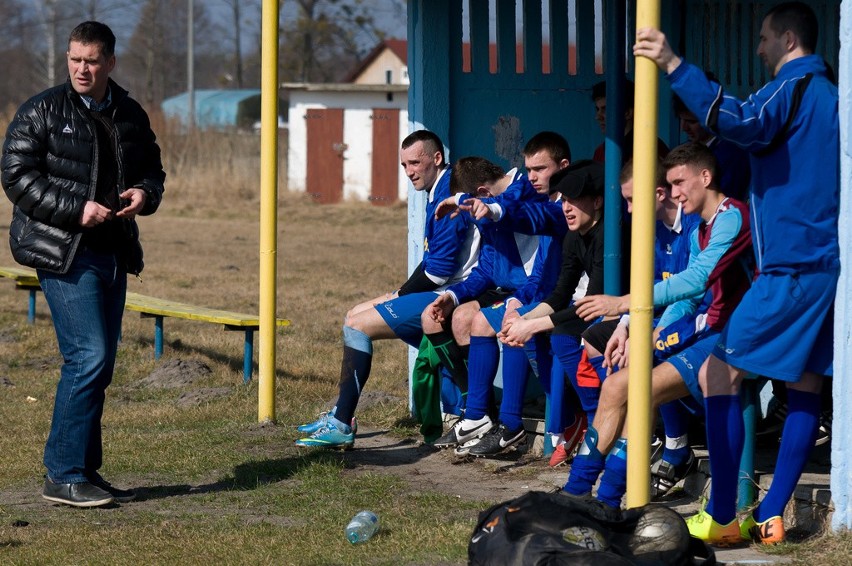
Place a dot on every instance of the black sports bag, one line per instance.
(555, 528)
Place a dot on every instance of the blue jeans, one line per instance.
(87, 305)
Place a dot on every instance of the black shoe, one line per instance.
(664, 476)
(497, 440)
(824, 430)
(463, 431)
(76, 494)
(448, 439)
(120, 495)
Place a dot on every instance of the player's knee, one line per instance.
(462, 320)
(719, 378)
(591, 351)
(479, 326)
(429, 326)
(614, 389)
(360, 322)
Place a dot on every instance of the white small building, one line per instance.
(344, 138)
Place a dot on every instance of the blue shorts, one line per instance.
(783, 326)
(688, 362)
(402, 315)
(494, 315)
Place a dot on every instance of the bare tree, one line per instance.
(238, 48)
(158, 45)
(48, 12)
(17, 54)
(326, 38)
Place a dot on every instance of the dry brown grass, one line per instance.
(201, 247)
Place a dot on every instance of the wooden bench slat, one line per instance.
(163, 307)
(22, 277)
(159, 309)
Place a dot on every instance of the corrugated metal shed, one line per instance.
(216, 108)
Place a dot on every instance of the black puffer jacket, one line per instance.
(49, 170)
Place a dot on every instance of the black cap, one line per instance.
(580, 179)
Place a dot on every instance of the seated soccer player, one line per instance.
(450, 252)
(505, 268)
(599, 100)
(544, 154)
(582, 251)
(721, 263)
(734, 168)
(671, 255)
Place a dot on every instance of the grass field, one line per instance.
(215, 486)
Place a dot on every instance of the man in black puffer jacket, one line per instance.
(79, 163)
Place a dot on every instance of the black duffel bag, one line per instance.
(555, 528)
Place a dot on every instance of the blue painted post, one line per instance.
(158, 337)
(248, 355)
(31, 308)
(428, 93)
(746, 483)
(841, 436)
(615, 46)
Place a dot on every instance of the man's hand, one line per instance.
(512, 306)
(135, 199)
(94, 214)
(652, 43)
(445, 207)
(477, 209)
(440, 309)
(592, 306)
(617, 349)
(517, 332)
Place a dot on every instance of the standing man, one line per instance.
(783, 327)
(79, 163)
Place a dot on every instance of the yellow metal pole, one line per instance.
(268, 211)
(642, 267)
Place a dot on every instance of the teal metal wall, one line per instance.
(506, 94)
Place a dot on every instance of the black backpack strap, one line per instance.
(795, 102)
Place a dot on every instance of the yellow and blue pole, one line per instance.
(268, 211)
(642, 266)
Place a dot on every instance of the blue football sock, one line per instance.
(540, 356)
(562, 407)
(568, 349)
(586, 466)
(354, 371)
(515, 370)
(725, 437)
(482, 368)
(614, 479)
(675, 423)
(797, 442)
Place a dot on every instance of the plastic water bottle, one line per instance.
(362, 526)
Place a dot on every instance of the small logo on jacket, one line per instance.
(67, 129)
